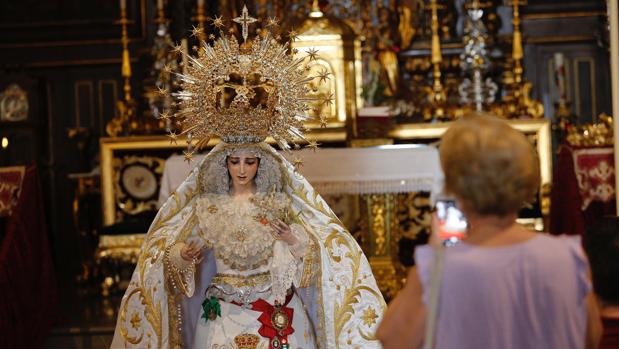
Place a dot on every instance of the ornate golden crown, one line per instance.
(244, 93)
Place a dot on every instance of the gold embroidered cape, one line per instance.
(340, 291)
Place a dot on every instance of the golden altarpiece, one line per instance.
(406, 58)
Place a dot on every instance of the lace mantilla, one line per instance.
(213, 172)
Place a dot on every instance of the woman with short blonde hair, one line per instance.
(502, 286)
(489, 165)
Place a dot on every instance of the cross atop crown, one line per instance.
(245, 20)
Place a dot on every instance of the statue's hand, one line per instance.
(283, 232)
(192, 252)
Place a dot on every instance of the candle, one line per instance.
(559, 59)
(123, 5)
(159, 5)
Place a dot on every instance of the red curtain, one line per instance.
(575, 205)
(28, 293)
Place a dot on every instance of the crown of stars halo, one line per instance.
(245, 92)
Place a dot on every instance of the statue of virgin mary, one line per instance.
(245, 254)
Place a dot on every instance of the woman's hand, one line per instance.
(435, 227)
(283, 232)
(192, 251)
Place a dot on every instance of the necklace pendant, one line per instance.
(279, 319)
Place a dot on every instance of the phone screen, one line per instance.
(451, 221)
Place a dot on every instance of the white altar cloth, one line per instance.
(384, 169)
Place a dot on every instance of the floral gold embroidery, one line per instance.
(135, 320)
(239, 281)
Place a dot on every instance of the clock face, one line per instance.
(139, 181)
(13, 104)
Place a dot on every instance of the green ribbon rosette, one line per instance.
(212, 309)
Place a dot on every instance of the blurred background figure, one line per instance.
(601, 243)
(503, 286)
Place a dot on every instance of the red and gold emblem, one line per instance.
(279, 319)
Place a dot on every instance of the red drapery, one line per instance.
(583, 189)
(28, 293)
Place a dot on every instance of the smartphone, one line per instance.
(452, 223)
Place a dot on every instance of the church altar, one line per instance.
(383, 194)
(374, 170)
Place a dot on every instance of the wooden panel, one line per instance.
(108, 95)
(84, 103)
(21, 147)
(57, 22)
(584, 87)
(587, 74)
(554, 6)
(73, 49)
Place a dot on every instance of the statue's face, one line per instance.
(242, 167)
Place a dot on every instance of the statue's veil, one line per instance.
(343, 299)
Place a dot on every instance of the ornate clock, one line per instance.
(137, 183)
(13, 104)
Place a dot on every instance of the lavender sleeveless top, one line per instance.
(528, 295)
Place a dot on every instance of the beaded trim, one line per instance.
(180, 277)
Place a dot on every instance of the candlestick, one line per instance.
(200, 18)
(517, 52)
(124, 122)
(126, 61)
(436, 95)
(160, 18)
(185, 60)
(436, 56)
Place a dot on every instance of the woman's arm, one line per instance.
(404, 321)
(594, 323)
